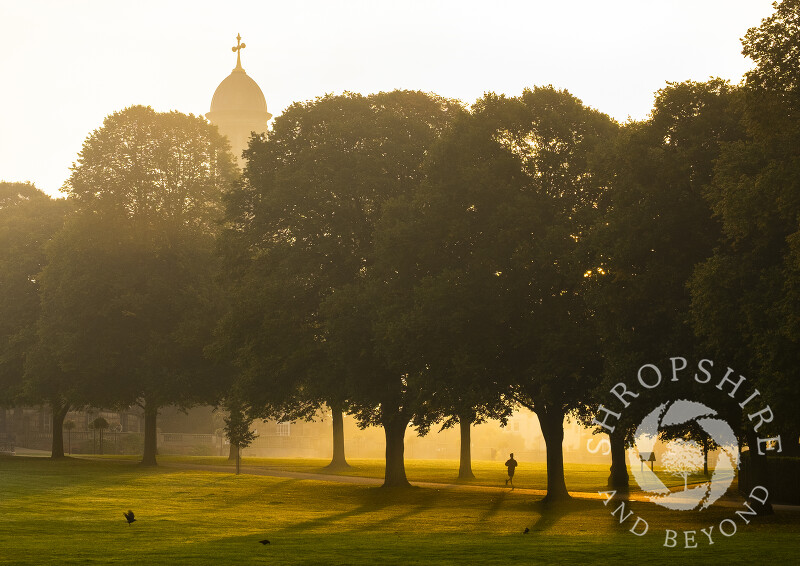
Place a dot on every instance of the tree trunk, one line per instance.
(759, 473)
(395, 474)
(705, 454)
(552, 423)
(465, 458)
(3, 419)
(338, 461)
(60, 410)
(233, 452)
(150, 434)
(619, 480)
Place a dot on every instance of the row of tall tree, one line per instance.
(415, 263)
(113, 292)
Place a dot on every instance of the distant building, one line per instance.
(238, 107)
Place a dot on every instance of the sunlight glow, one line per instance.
(67, 65)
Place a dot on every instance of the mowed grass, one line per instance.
(70, 512)
(529, 475)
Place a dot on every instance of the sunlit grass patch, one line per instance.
(71, 512)
(529, 475)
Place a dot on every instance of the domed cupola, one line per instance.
(238, 106)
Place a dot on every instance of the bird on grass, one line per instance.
(264, 542)
(526, 531)
(129, 517)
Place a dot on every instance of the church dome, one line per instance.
(238, 107)
(240, 94)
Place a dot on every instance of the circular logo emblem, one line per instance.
(681, 457)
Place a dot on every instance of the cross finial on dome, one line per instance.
(238, 51)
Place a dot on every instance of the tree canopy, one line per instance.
(498, 311)
(746, 297)
(302, 229)
(28, 220)
(129, 295)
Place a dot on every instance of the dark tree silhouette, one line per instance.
(301, 231)
(128, 296)
(654, 228)
(28, 220)
(746, 296)
(510, 197)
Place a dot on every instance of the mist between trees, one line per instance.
(416, 264)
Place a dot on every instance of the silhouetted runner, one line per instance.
(511, 464)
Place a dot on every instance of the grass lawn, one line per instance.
(529, 475)
(70, 512)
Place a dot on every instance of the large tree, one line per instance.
(552, 342)
(655, 225)
(746, 297)
(429, 323)
(510, 196)
(301, 230)
(28, 220)
(129, 296)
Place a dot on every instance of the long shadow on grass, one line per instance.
(224, 488)
(551, 514)
(497, 503)
(372, 500)
(421, 500)
(25, 477)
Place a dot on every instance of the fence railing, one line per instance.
(7, 442)
(131, 443)
(88, 442)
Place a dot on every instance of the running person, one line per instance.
(511, 464)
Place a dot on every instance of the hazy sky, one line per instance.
(66, 64)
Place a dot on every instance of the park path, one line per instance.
(727, 501)
(360, 480)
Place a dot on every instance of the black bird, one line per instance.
(265, 541)
(526, 531)
(129, 517)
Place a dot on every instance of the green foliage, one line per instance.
(28, 220)
(480, 283)
(746, 298)
(237, 427)
(512, 194)
(165, 171)
(775, 48)
(129, 297)
(99, 424)
(302, 230)
(655, 226)
(126, 318)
